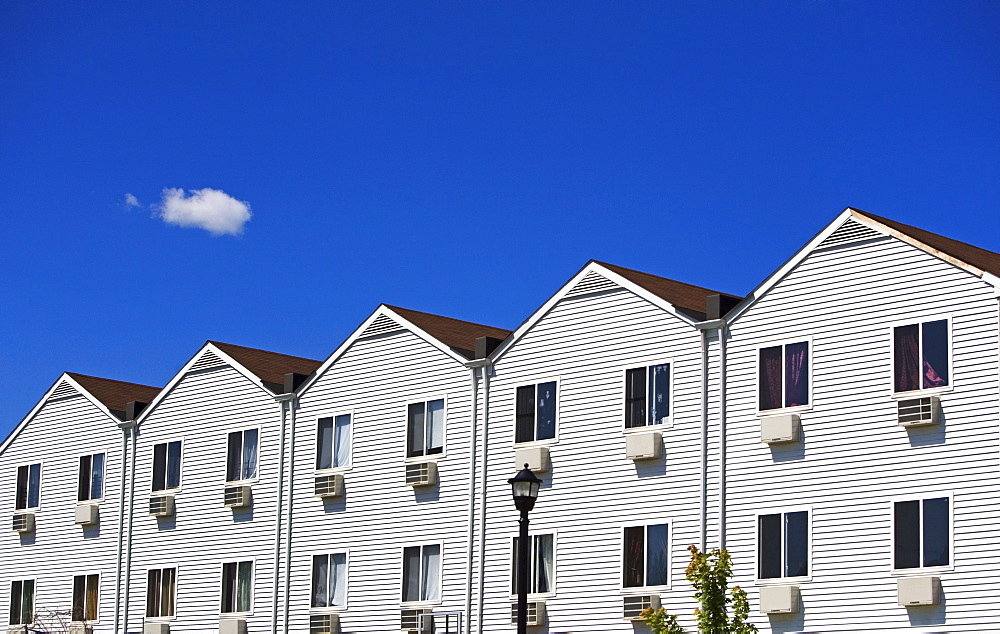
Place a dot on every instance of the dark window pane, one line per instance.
(796, 374)
(546, 411)
(174, 464)
(656, 555)
(411, 573)
(15, 603)
(97, 476)
(936, 532)
(797, 544)
(22, 488)
(83, 486)
(249, 454)
(416, 432)
(906, 534)
(543, 564)
(659, 393)
(321, 576)
(906, 357)
(28, 601)
(324, 444)
(769, 546)
(434, 424)
(153, 593)
(160, 467)
(769, 380)
(228, 587)
(634, 557)
(525, 427)
(935, 361)
(79, 594)
(235, 453)
(167, 592)
(243, 585)
(90, 602)
(635, 397)
(34, 480)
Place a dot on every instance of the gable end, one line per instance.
(850, 231)
(592, 282)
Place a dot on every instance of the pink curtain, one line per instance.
(796, 374)
(906, 357)
(770, 378)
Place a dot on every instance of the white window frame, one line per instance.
(104, 476)
(621, 556)
(41, 480)
(413, 605)
(545, 442)
(923, 570)
(253, 583)
(34, 596)
(763, 413)
(97, 608)
(624, 394)
(444, 430)
(226, 465)
(177, 585)
(350, 454)
(347, 579)
(152, 466)
(923, 319)
(778, 581)
(555, 549)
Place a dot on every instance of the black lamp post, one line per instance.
(524, 487)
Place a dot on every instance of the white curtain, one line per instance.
(97, 477)
(338, 579)
(243, 583)
(343, 450)
(435, 425)
(249, 454)
(543, 563)
(430, 574)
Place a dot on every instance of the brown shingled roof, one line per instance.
(114, 394)
(270, 367)
(979, 258)
(677, 293)
(453, 333)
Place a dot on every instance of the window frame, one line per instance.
(427, 457)
(97, 608)
(222, 588)
(177, 584)
(104, 478)
(778, 581)
(34, 595)
(922, 570)
(407, 605)
(27, 494)
(532, 534)
(773, 343)
(152, 466)
(623, 589)
(347, 580)
(920, 321)
(545, 442)
(350, 453)
(242, 430)
(624, 394)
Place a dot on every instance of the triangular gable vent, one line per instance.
(207, 360)
(850, 231)
(591, 283)
(381, 324)
(64, 390)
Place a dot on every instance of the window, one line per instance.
(85, 597)
(28, 480)
(646, 556)
(783, 545)
(647, 395)
(921, 531)
(920, 356)
(784, 376)
(91, 485)
(536, 412)
(22, 602)
(237, 578)
(540, 565)
(425, 428)
(421, 573)
(329, 581)
(241, 461)
(333, 442)
(161, 590)
(167, 465)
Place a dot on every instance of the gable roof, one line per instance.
(115, 394)
(269, 367)
(680, 294)
(454, 333)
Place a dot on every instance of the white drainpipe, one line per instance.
(482, 499)
(291, 497)
(126, 427)
(722, 435)
(131, 506)
(282, 400)
(470, 545)
(719, 325)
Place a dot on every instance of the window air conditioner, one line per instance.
(87, 514)
(644, 446)
(915, 412)
(779, 429)
(421, 474)
(161, 506)
(918, 590)
(409, 620)
(324, 623)
(24, 522)
(238, 497)
(329, 486)
(536, 613)
(634, 605)
(232, 626)
(156, 628)
(779, 599)
(536, 457)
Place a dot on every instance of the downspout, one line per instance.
(482, 499)
(131, 507)
(703, 485)
(719, 326)
(291, 498)
(722, 435)
(125, 426)
(282, 400)
(470, 546)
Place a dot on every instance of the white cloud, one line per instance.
(213, 210)
(131, 201)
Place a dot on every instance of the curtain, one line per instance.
(97, 475)
(83, 486)
(27, 601)
(543, 564)
(338, 579)
(546, 410)
(243, 584)
(659, 392)
(411, 573)
(797, 374)
(168, 582)
(153, 593)
(435, 426)
(906, 357)
(160, 467)
(343, 451)
(90, 602)
(417, 433)
(430, 578)
(657, 557)
(34, 479)
(79, 596)
(635, 397)
(321, 575)
(634, 572)
(249, 454)
(935, 361)
(324, 443)
(21, 500)
(525, 431)
(769, 381)
(234, 452)
(228, 587)
(174, 465)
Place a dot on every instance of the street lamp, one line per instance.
(524, 487)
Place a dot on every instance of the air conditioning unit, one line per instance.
(161, 506)
(779, 429)
(634, 605)
(86, 514)
(644, 446)
(80, 628)
(916, 412)
(918, 590)
(409, 620)
(24, 523)
(329, 486)
(155, 628)
(238, 497)
(324, 623)
(232, 626)
(779, 599)
(537, 459)
(421, 474)
(536, 613)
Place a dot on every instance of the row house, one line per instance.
(836, 430)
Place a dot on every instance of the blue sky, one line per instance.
(458, 158)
